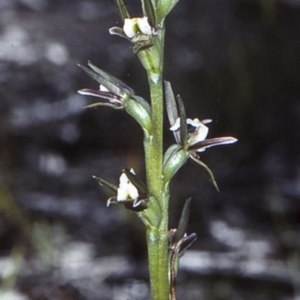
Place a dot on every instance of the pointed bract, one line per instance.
(181, 229)
(106, 184)
(183, 124)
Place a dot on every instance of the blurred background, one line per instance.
(234, 61)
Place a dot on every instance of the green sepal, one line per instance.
(123, 10)
(136, 181)
(148, 10)
(170, 103)
(174, 158)
(183, 125)
(140, 111)
(151, 216)
(107, 184)
(207, 170)
(112, 83)
(181, 229)
(97, 104)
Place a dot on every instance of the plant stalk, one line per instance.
(157, 237)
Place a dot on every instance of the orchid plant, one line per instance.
(150, 199)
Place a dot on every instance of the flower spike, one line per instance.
(183, 221)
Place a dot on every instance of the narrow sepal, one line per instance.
(100, 94)
(181, 229)
(111, 80)
(106, 184)
(207, 170)
(171, 104)
(136, 181)
(103, 80)
(183, 125)
(207, 143)
(172, 110)
(118, 31)
(97, 104)
(187, 242)
(149, 11)
(123, 10)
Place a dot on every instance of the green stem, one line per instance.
(157, 237)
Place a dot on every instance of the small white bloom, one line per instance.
(144, 25)
(132, 26)
(129, 28)
(200, 132)
(126, 190)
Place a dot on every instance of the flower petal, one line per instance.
(200, 132)
(130, 27)
(126, 189)
(203, 145)
(144, 25)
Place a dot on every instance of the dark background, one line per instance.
(234, 61)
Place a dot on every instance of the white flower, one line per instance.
(126, 190)
(199, 131)
(135, 25)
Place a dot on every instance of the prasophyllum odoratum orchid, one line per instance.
(190, 136)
